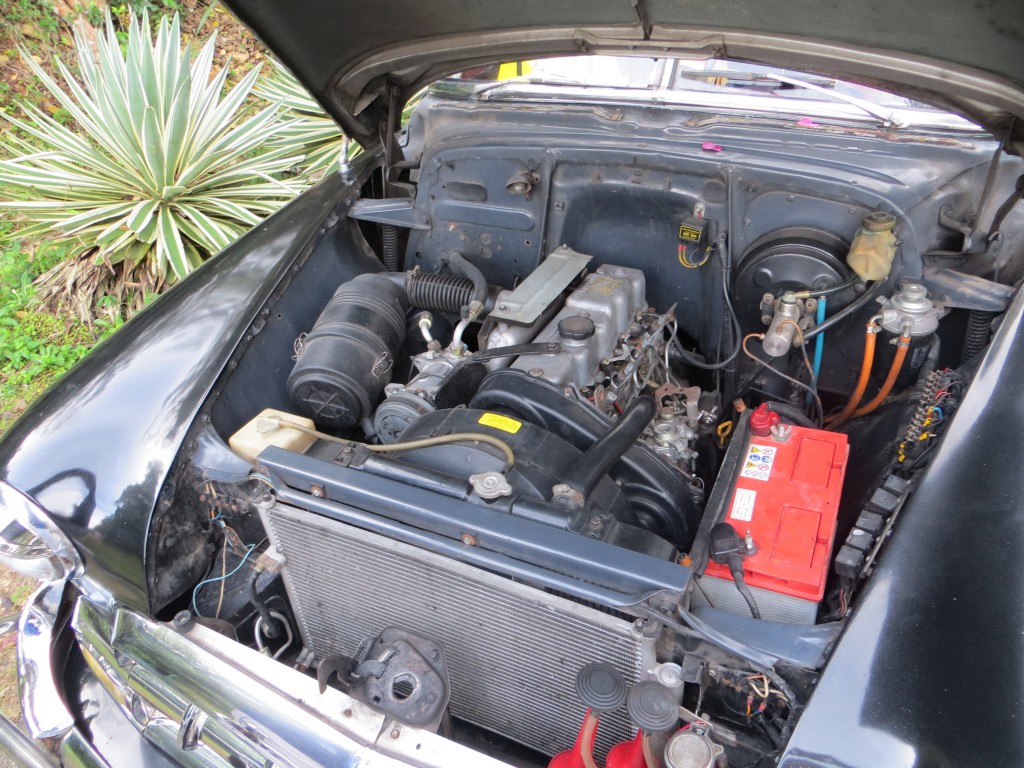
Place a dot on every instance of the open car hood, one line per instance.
(354, 58)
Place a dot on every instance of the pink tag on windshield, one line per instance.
(711, 147)
(806, 122)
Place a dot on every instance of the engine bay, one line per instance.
(589, 459)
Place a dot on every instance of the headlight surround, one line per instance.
(30, 543)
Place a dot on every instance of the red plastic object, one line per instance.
(762, 420)
(787, 496)
(627, 754)
(573, 758)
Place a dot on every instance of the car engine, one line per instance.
(606, 487)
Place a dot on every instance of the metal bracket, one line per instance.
(532, 296)
(405, 676)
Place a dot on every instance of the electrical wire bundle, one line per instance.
(940, 397)
(754, 697)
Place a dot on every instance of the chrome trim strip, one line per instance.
(46, 715)
(21, 749)
(77, 752)
(257, 710)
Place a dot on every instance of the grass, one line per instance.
(35, 347)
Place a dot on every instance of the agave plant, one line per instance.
(161, 168)
(312, 131)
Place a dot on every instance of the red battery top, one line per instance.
(786, 495)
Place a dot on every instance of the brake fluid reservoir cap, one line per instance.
(601, 687)
(576, 328)
(652, 707)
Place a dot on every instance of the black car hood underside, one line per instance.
(964, 55)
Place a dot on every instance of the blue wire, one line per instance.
(236, 569)
(819, 347)
(938, 411)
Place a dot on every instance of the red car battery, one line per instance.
(785, 496)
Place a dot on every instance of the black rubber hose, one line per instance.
(846, 311)
(830, 291)
(792, 413)
(463, 266)
(389, 234)
(977, 335)
(600, 457)
(270, 628)
(438, 292)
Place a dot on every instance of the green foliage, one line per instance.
(35, 346)
(160, 168)
(312, 132)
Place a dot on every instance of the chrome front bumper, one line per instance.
(46, 716)
(204, 700)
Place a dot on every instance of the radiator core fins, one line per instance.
(513, 651)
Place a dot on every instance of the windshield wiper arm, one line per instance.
(886, 117)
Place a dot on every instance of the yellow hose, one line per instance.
(426, 442)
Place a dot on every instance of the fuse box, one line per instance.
(785, 494)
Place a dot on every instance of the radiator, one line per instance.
(513, 651)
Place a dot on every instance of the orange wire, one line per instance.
(862, 381)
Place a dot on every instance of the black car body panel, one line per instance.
(927, 671)
(97, 447)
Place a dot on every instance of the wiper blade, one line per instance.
(757, 79)
(884, 116)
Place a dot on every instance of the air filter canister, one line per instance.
(346, 360)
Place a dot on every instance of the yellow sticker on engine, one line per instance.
(504, 423)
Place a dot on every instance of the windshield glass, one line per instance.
(711, 83)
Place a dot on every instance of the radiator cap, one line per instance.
(601, 687)
(653, 707)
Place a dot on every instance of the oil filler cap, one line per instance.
(601, 687)
(652, 707)
(576, 328)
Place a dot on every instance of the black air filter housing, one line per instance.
(348, 357)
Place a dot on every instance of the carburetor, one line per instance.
(684, 414)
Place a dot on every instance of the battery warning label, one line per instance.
(757, 465)
(743, 505)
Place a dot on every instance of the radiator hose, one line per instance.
(594, 463)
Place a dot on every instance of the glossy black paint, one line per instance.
(929, 670)
(96, 448)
